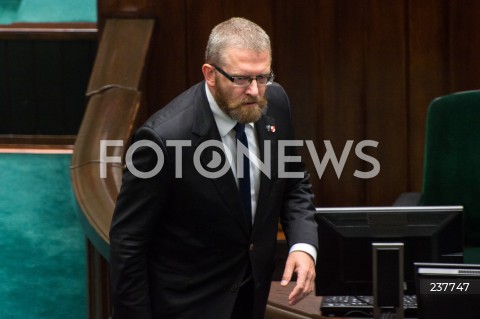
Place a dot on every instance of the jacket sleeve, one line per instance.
(139, 205)
(297, 215)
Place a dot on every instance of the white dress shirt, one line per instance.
(225, 125)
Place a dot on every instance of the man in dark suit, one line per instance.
(194, 229)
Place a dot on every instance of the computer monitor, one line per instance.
(346, 235)
(448, 290)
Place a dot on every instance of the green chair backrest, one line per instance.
(452, 157)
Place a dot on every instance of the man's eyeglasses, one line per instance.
(244, 81)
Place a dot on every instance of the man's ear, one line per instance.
(209, 74)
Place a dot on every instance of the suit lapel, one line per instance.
(265, 128)
(205, 131)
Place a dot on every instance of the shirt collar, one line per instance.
(224, 122)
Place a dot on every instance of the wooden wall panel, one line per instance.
(201, 18)
(298, 72)
(167, 69)
(354, 70)
(324, 70)
(428, 75)
(385, 87)
(464, 44)
(343, 119)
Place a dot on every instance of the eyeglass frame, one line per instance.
(232, 78)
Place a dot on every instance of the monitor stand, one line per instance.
(387, 280)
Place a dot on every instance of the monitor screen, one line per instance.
(346, 235)
(448, 290)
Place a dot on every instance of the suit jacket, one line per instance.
(180, 246)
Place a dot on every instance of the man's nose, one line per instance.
(252, 88)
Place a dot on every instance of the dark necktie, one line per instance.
(244, 182)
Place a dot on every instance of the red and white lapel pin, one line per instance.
(271, 128)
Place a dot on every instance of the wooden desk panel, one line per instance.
(278, 307)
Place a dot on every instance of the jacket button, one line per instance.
(251, 247)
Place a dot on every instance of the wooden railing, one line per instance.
(48, 31)
(114, 105)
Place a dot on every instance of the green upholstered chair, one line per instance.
(452, 162)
